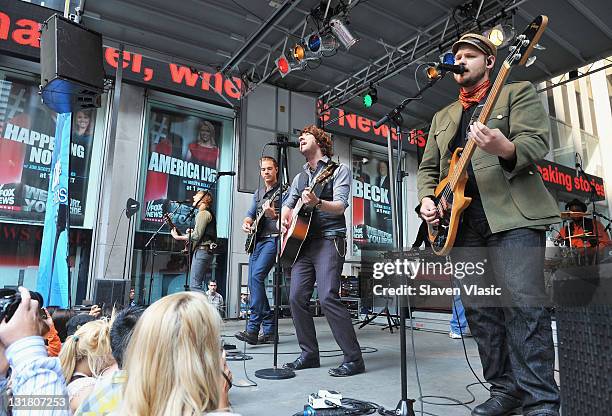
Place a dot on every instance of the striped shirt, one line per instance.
(34, 374)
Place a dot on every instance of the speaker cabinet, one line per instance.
(72, 70)
(111, 291)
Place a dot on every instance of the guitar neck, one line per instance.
(470, 146)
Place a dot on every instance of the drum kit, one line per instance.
(578, 248)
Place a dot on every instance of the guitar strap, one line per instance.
(331, 164)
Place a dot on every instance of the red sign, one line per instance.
(562, 178)
(338, 121)
(19, 36)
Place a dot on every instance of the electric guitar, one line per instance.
(171, 225)
(297, 231)
(249, 245)
(449, 194)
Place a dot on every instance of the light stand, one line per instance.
(405, 405)
(151, 243)
(276, 373)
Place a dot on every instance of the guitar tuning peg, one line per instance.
(539, 47)
(512, 48)
(530, 60)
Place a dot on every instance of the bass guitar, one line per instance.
(249, 245)
(449, 194)
(298, 228)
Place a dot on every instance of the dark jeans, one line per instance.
(261, 261)
(200, 265)
(320, 261)
(515, 343)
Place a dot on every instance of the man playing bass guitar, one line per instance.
(507, 217)
(321, 256)
(263, 253)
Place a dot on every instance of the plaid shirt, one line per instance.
(106, 396)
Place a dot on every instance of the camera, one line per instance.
(10, 300)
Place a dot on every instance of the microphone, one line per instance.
(184, 201)
(284, 144)
(437, 69)
(226, 173)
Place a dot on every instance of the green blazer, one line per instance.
(513, 196)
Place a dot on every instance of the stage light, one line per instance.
(500, 35)
(339, 29)
(448, 58)
(433, 72)
(314, 42)
(299, 53)
(286, 65)
(131, 207)
(370, 97)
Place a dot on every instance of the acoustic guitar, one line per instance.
(301, 217)
(171, 225)
(449, 194)
(249, 245)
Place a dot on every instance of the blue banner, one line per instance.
(53, 266)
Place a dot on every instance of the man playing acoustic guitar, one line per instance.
(321, 256)
(263, 255)
(504, 225)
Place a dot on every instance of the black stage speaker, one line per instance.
(584, 331)
(110, 292)
(72, 71)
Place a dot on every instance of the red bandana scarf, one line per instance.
(468, 99)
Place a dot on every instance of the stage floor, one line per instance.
(442, 368)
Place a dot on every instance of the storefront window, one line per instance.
(371, 205)
(27, 130)
(183, 151)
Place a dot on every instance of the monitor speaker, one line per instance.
(72, 70)
(111, 291)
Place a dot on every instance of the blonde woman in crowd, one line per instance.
(174, 360)
(84, 358)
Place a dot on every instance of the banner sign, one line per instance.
(182, 158)
(19, 36)
(562, 178)
(27, 135)
(372, 225)
(52, 281)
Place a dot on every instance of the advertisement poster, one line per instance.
(27, 133)
(182, 158)
(372, 225)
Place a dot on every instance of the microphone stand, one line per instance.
(151, 243)
(276, 373)
(595, 214)
(394, 118)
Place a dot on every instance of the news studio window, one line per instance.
(371, 203)
(183, 149)
(27, 129)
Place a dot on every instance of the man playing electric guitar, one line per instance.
(506, 219)
(321, 256)
(263, 254)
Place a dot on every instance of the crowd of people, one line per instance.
(165, 360)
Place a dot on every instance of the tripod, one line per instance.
(275, 373)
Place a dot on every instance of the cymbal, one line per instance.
(570, 215)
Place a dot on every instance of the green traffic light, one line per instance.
(368, 101)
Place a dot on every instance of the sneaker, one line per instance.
(454, 335)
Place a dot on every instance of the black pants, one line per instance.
(320, 262)
(514, 340)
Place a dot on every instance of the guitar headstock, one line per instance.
(325, 175)
(525, 42)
